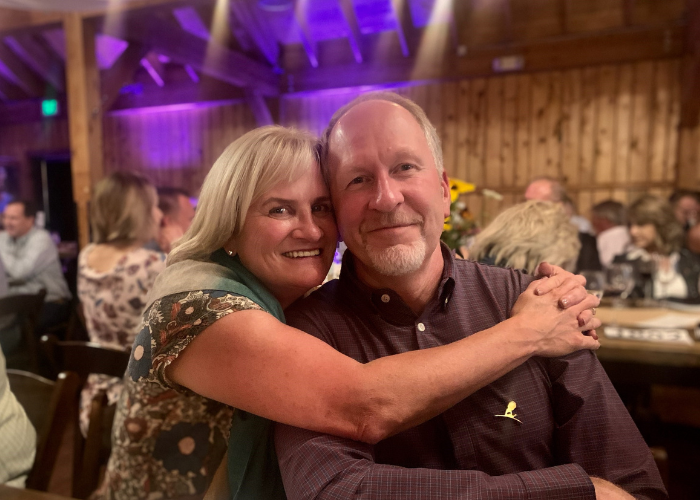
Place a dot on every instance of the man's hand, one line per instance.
(605, 490)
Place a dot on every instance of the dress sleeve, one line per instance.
(171, 323)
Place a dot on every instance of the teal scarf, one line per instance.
(253, 472)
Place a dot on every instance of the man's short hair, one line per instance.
(612, 210)
(167, 199)
(431, 135)
(682, 193)
(29, 206)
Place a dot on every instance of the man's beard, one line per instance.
(399, 259)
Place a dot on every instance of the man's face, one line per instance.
(539, 190)
(390, 201)
(686, 210)
(184, 214)
(15, 222)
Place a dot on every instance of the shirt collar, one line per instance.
(385, 301)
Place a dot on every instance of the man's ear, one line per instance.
(446, 197)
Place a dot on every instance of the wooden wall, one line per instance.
(607, 131)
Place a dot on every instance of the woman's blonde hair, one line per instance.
(527, 234)
(122, 209)
(249, 167)
(653, 210)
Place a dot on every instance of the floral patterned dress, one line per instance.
(167, 441)
(113, 304)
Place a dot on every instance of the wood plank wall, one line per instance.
(607, 131)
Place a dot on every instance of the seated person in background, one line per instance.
(550, 428)
(114, 272)
(17, 436)
(662, 266)
(525, 235)
(549, 189)
(685, 205)
(610, 224)
(178, 213)
(31, 262)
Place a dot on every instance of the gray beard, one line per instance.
(397, 260)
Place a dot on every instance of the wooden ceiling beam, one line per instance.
(246, 18)
(10, 92)
(354, 35)
(690, 79)
(556, 54)
(39, 59)
(404, 25)
(628, 12)
(15, 70)
(462, 14)
(259, 107)
(563, 16)
(121, 73)
(209, 58)
(154, 68)
(301, 20)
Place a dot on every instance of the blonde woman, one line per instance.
(527, 234)
(114, 272)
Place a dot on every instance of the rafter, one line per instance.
(246, 18)
(121, 73)
(300, 17)
(154, 68)
(403, 24)
(14, 69)
(38, 59)
(258, 106)
(348, 9)
(10, 92)
(209, 58)
(690, 83)
(462, 14)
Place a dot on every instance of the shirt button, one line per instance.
(421, 327)
(386, 298)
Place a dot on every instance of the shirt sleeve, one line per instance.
(37, 254)
(319, 466)
(594, 429)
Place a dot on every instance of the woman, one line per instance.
(263, 235)
(527, 234)
(115, 273)
(662, 268)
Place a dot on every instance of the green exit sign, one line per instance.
(49, 107)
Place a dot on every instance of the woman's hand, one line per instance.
(558, 318)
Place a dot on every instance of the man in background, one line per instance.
(686, 206)
(31, 262)
(178, 213)
(610, 224)
(549, 189)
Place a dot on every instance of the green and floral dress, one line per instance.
(167, 441)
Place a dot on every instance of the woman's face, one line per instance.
(643, 235)
(288, 238)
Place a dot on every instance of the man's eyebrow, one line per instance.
(406, 153)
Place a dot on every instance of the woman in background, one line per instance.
(662, 267)
(527, 234)
(115, 273)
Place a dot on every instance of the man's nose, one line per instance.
(386, 195)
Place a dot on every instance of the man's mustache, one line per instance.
(390, 219)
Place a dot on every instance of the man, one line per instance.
(548, 189)
(31, 262)
(178, 213)
(551, 428)
(610, 225)
(686, 205)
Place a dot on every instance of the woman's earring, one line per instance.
(230, 253)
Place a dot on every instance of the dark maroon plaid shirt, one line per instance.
(572, 423)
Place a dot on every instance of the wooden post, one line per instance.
(84, 115)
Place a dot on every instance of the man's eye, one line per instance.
(322, 208)
(357, 180)
(406, 166)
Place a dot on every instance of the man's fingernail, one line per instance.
(538, 291)
(564, 302)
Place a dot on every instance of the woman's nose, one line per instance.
(308, 229)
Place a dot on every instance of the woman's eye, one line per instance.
(279, 211)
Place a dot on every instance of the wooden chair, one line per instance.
(52, 408)
(27, 309)
(84, 358)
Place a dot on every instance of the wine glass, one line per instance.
(595, 282)
(620, 280)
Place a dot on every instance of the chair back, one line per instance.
(84, 358)
(52, 410)
(27, 309)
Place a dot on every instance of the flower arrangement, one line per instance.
(461, 225)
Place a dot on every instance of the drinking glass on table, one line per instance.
(620, 280)
(595, 282)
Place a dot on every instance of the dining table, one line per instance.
(650, 345)
(10, 493)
